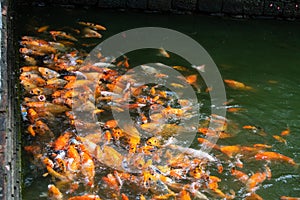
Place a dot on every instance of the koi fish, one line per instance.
(199, 68)
(54, 193)
(87, 168)
(241, 176)
(29, 60)
(254, 180)
(285, 132)
(56, 83)
(74, 159)
(191, 79)
(42, 128)
(269, 155)
(62, 141)
(85, 197)
(230, 150)
(180, 68)
(33, 78)
(164, 53)
(89, 33)
(289, 198)
(48, 107)
(262, 146)
(48, 73)
(279, 139)
(31, 52)
(153, 141)
(62, 35)
(111, 181)
(183, 195)
(234, 109)
(42, 29)
(92, 25)
(254, 196)
(110, 157)
(205, 142)
(237, 85)
(124, 197)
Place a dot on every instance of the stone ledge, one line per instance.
(190, 5)
(253, 7)
(210, 6)
(161, 5)
(137, 4)
(112, 3)
(233, 7)
(288, 9)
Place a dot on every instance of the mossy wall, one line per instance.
(241, 8)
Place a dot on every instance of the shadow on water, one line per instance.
(262, 54)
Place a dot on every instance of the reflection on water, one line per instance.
(262, 54)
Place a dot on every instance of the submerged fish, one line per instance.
(89, 33)
(164, 53)
(93, 26)
(237, 85)
(63, 35)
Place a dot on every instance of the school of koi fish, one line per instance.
(103, 160)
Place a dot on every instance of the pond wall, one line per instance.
(240, 8)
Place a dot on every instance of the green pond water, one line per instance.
(264, 54)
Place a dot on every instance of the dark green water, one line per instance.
(250, 51)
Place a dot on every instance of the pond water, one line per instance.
(264, 54)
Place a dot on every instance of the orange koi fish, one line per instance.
(111, 182)
(56, 83)
(93, 26)
(249, 127)
(289, 198)
(241, 176)
(205, 142)
(285, 132)
(153, 141)
(87, 168)
(54, 193)
(180, 68)
(268, 172)
(72, 153)
(230, 150)
(48, 73)
(269, 155)
(262, 146)
(85, 197)
(46, 106)
(89, 33)
(183, 195)
(124, 197)
(237, 85)
(31, 69)
(191, 79)
(164, 53)
(254, 180)
(62, 35)
(234, 109)
(62, 141)
(31, 52)
(29, 60)
(254, 196)
(42, 128)
(42, 29)
(111, 124)
(279, 139)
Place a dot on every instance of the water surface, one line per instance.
(264, 54)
